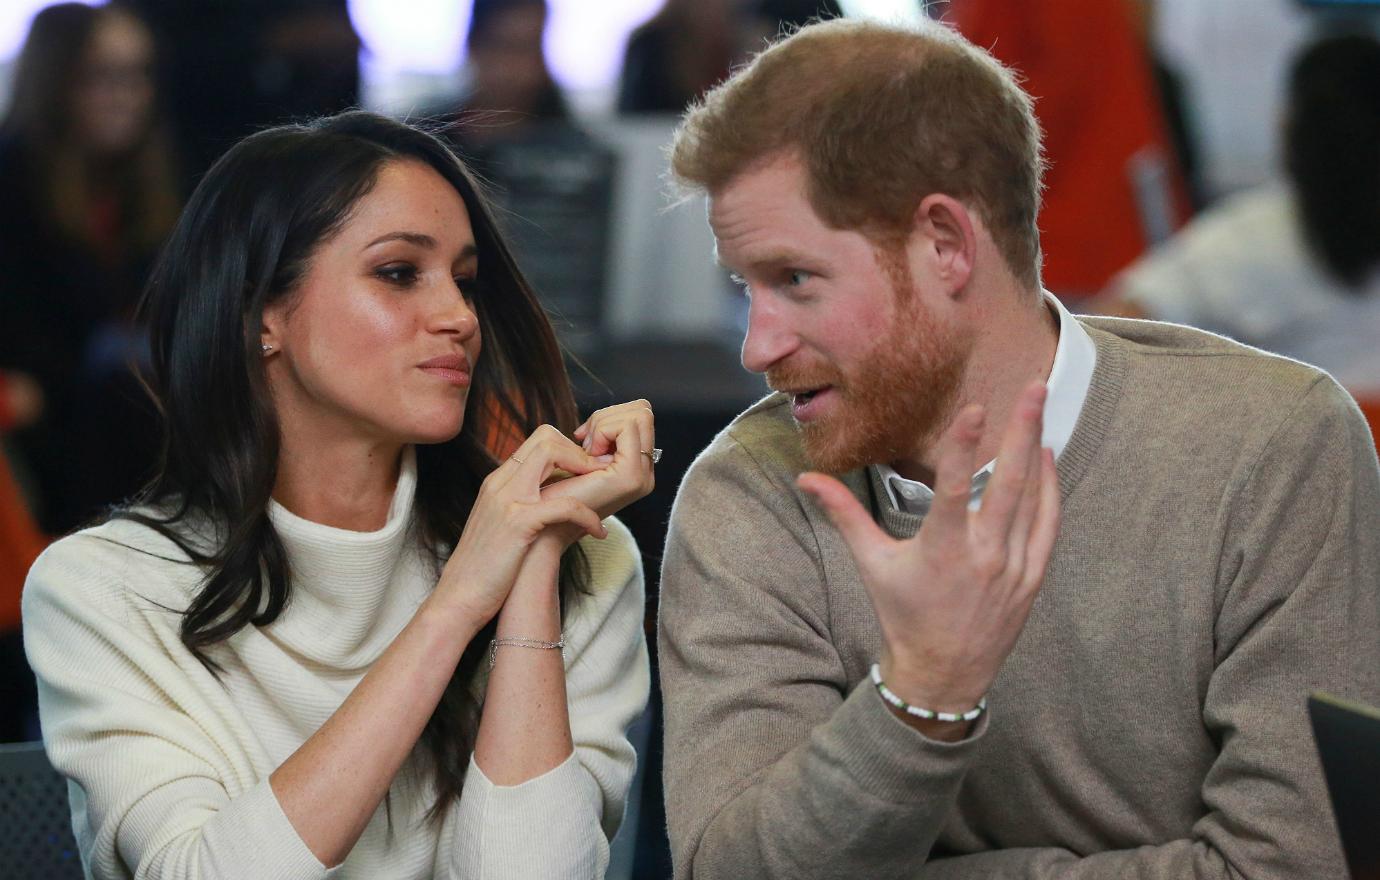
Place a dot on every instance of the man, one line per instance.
(1203, 521)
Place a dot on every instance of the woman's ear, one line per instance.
(271, 330)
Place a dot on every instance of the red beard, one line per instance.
(895, 401)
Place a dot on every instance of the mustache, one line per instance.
(803, 376)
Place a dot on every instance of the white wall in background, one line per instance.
(414, 53)
(15, 16)
(1234, 56)
(884, 10)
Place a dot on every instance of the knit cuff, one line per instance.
(887, 757)
(561, 807)
(253, 837)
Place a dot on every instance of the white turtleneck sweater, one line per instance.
(169, 766)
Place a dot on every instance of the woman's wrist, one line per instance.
(455, 618)
(541, 567)
(533, 607)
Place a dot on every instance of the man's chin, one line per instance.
(829, 452)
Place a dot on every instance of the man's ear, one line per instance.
(944, 238)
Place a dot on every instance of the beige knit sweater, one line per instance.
(1218, 560)
(170, 766)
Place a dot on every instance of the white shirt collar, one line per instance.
(1070, 377)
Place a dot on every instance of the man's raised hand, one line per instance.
(952, 600)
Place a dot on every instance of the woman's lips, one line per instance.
(453, 368)
(455, 377)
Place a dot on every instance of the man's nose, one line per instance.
(769, 336)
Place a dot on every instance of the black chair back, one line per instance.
(35, 821)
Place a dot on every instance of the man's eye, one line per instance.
(797, 277)
(398, 274)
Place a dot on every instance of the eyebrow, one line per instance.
(768, 261)
(422, 240)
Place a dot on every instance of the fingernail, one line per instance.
(604, 459)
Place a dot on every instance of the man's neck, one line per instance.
(1013, 346)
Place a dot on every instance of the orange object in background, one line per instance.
(504, 434)
(1113, 187)
(20, 544)
(1370, 408)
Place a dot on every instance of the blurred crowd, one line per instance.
(116, 110)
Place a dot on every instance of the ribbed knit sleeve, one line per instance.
(159, 784)
(559, 824)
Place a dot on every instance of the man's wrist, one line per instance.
(918, 685)
(900, 691)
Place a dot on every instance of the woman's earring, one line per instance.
(266, 348)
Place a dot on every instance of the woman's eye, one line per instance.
(399, 274)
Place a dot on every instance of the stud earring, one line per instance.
(266, 348)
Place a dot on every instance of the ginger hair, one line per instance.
(881, 116)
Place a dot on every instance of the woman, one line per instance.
(679, 54)
(510, 84)
(87, 184)
(329, 633)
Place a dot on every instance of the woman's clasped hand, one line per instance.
(549, 484)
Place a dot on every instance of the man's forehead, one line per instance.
(778, 180)
(762, 216)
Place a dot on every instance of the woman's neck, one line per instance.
(343, 485)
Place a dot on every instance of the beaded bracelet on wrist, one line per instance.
(927, 714)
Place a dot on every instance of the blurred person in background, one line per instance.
(1174, 100)
(784, 16)
(21, 403)
(510, 89)
(87, 183)
(1292, 266)
(1113, 188)
(551, 179)
(679, 54)
(227, 69)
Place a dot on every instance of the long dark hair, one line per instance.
(40, 119)
(1332, 151)
(244, 241)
